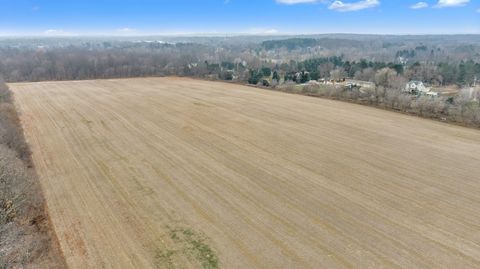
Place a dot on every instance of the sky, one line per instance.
(177, 17)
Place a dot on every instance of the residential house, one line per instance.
(418, 88)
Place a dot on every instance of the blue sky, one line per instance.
(146, 17)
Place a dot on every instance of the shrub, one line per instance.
(310, 89)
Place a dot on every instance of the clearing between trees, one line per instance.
(175, 172)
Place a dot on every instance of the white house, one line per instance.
(416, 87)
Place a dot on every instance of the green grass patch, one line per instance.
(195, 247)
(188, 244)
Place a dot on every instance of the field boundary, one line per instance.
(27, 235)
(250, 178)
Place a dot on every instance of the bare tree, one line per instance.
(338, 74)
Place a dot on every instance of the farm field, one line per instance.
(175, 173)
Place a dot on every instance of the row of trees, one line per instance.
(80, 63)
(24, 224)
(230, 62)
(462, 74)
(462, 108)
(240, 63)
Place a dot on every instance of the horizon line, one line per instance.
(207, 34)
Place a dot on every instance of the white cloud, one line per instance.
(294, 2)
(126, 30)
(57, 32)
(359, 5)
(419, 5)
(263, 31)
(271, 31)
(451, 3)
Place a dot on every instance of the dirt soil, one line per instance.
(266, 179)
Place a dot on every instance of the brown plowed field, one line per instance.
(267, 179)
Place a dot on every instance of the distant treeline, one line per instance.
(273, 63)
(463, 73)
(300, 43)
(159, 59)
(72, 63)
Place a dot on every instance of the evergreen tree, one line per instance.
(276, 76)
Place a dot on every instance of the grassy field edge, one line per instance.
(27, 239)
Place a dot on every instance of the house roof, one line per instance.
(415, 81)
